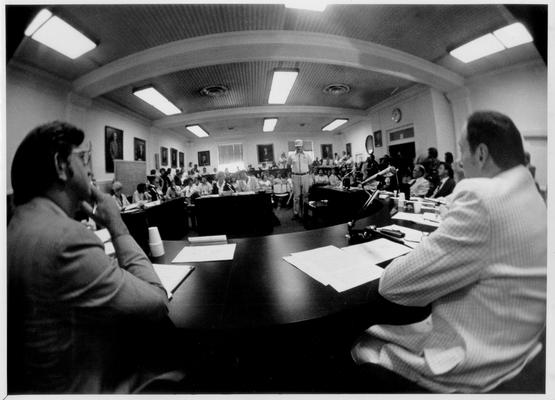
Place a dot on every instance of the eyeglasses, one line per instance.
(84, 154)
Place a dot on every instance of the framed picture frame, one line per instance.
(139, 149)
(164, 156)
(173, 155)
(327, 151)
(113, 146)
(378, 140)
(265, 153)
(181, 160)
(203, 158)
(348, 149)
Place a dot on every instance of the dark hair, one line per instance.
(152, 172)
(432, 152)
(33, 167)
(447, 167)
(449, 157)
(141, 187)
(499, 134)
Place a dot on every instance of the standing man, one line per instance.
(300, 165)
(68, 302)
(483, 271)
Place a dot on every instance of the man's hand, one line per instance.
(106, 212)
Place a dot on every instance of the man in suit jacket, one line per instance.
(446, 181)
(68, 301)
(483, 271)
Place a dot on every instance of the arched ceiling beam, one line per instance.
(277, 111)
(250, 46)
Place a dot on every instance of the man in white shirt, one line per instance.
(300, 165)
(483, 271)
(419, 186)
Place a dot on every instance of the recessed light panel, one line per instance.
(478, 48)
(513, 35)
(197, 130)
(157, 100)
(310, 5)
(335, 124)
(269, 124)
(282, 83)
(59, 35)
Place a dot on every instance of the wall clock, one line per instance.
(396, 115)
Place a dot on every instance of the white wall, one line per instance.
(521, 93)
(34, 98)
(250, 152)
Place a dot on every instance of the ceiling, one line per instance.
(376, 50)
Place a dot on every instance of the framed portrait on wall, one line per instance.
(164, 156)
(173, 156)
(203, 158)
(265, 153)
(348, 148)
(378, 139)
(327, 151)
(113, 146)
(139, 146)
(181, 160)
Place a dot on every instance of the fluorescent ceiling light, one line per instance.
(59, 35)
(478, 48)
(310, 5)
(197, 130)
(157, 100)
(513, 35)
(39, 19)
(269, 124)
(282, 83)
(335, 124)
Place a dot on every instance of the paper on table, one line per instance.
(331, 266)
(171, 276)
(418, 218)
(377, 251)
(218, 252)
(411, 235)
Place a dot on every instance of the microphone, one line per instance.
(383, 172)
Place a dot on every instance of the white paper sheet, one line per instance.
(331, 266)
(171, 276)
(377, 251)
(418, 218)
(218, 252)
(411, 235)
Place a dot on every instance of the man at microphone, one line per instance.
(299, 162)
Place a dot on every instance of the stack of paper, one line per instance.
(171, 276)
(334, 267)
(219, 239)
(217, 252)
(422, 219)
(377, 251)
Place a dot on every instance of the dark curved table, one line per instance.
(258, 289)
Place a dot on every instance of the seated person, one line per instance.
(141, 195)
(178, 179)
(69, 303)
(173, 191)
(321, 178)
(483, 271)
(204, 187)
(220, 185)
(153, 189)
(333, 179)
(241, 182)
(419, 185)
(189, 189)
(265, 183)
(446, 181)
(118, 196)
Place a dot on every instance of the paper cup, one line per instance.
(154, 235)
(417, 207)
(157, 249)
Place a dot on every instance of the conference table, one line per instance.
(259, 289)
